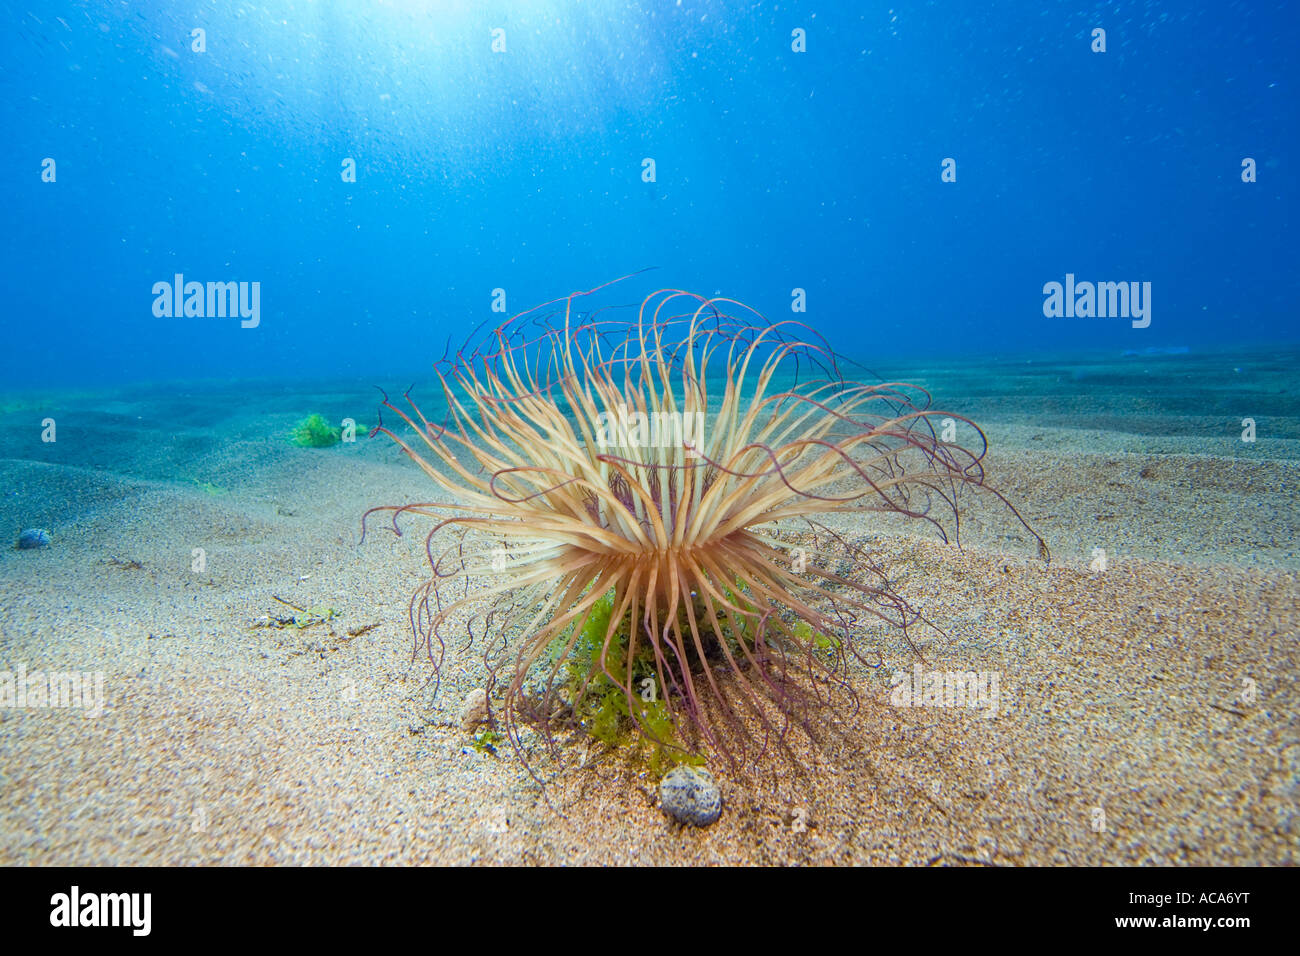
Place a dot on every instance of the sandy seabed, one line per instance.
(1147, 712)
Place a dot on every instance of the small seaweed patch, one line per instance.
(821, 642)
(642, 720)
(315, 432)
(487, 742)
(300, 618)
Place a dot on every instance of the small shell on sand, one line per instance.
(34, 538)
(474, 710)
(689, 794)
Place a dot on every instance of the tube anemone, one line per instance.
(683, 465)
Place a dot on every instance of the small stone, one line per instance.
(689, 794)
(34, 538)
(475, 709)
(495, 820)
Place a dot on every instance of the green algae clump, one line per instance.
(603, 709)
(315, 432)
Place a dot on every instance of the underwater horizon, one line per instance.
(651, 432)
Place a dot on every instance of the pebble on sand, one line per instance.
(474, 710)
(34, 538)
(689, 794)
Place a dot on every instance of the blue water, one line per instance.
(522, 171)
